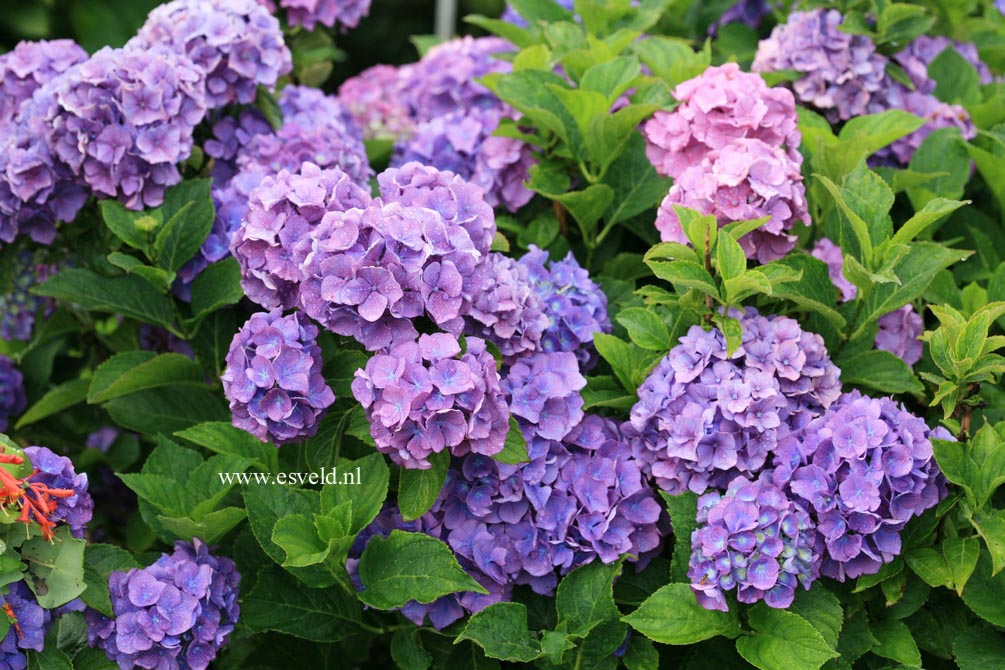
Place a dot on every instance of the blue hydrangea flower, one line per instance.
(32, 620)
(273, 378)
(57, 472)
(507, 310)
(12, 398)
(544, 393)
(18, 306)
(30, 65)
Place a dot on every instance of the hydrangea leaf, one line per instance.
(985, 593)
(133, 371)
(672, 615)
(408, 652)
(783, 640)
(896, 642)
(367, 495)
(167, 409)
(930, 565)
(641, 654)
(501, 630)
(58, 566)
(979, 649)
(880, 371)
(217, 286)
(822, 609)
(55, 400)
(961, 554)
(585, 597)
(645, 329)
(991, 526)
(223, 438)
(418, 489)
(683, 510)
(278, 602)
(210, 527)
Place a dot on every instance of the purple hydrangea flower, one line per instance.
(748, 12)
(718, 107)
(19, 307)
(377, 100)
(237, 45)
(12, 398)
(841, 72)
(173, 615)
(703, 417)
(544, 393)
(309, 13)
(922, 50)
(29, 66)
(863, 470)
(745, 179)
(425, 396)
(231, 135)
(273, 239)
(752, 539)
(575, 305)
(32, 620)
(462, 143)
(507, 310)
(899, 330)
(56, 472)
(102, 439)
(273, 378)
(444, 81)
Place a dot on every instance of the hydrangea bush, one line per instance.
(615, 333)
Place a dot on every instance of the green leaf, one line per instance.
(133, 371)
(957, 80)
(990, 523)
(100, 560)
(223, 438)
(731, 259)
(636, 184)
(672, 615)
(588, 206)
(896, 642)
(930, 565)
(211, 527)
(419, 489)
(641, 654)
(943, 151)
(50, 658)
(783, 640)
(280, 603)
(880, 371)
(620, 355)
(159, 278)
(585, 597)
(410, 566)
(611, 78)
(859, 229)
(367, 495)
(54, 401)
(645, 329)
(188, 213)
(407, 651)
(515, 448)
(58, 565)
(822, 609)
(298, 537)
(685, 274)
(501, 630)
(865, 135)
(961, 554)
(933, 210)
(136, 229)
(978, 466)
(683, 509)
(167, 409)
(980, 649)
(541, 232)
(217, 286)
(985, 592)
(129, 296)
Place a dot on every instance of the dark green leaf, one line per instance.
(54, 401)
(133, 371)
(278, 602)
(129, 296)
(585, 598)
(501, 631)
(215, 287)
(419, 489)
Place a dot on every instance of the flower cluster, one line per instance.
(544, 394)
(54, 472)
(506, 309)
(376, 99)
(282, 211)
(704, 416)
(238, 44)
(426, 395)
(748, 12)
(309, 13)
(753, 539)
(273, 378)
(444, 81)
(172, 615)
(19, 307)
(412, 252)
(899, 330)
(31, 65)
(32, 621)
(863, 470)
(841, 72)
(12, 398)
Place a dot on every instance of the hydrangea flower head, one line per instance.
(237, 44)
(309, 13)
(746, 179)
(721, 105)
(704, 416)
(754, 540)
(831, 254)
(863, 470)
(29, 66)
(425, 396)
(841, 72)
(507, 310)
(18, 306)
(12, 398)
(273, 378)
(544, 393)
(376, 98)
(747, 12)
(56, 472)
(173, 615)
(32, 622)
(271, 243)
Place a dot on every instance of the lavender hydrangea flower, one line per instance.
(29, 66)
(718, 107)
(32, 620)
(102, 439)
(575, 305)
(426, 396)
(309, 13)
(377, 100)
(922, 50)
(863, 469)
(746, 179)
(463, 144)
(230, 136)
(273, 378)
(544, 393)
(57, 472)
(282, 210)
(752, 539)
(444, 81)
(12, 398)
(507, 310)
(841, 72)
(19, 307)
(173, 615)
(237, 45)
(704, 417)
(747, 12)
(899, 330)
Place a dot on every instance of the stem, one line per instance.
(966, 416)
(561, 215)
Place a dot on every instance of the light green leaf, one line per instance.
(54, 401)
(501, 630)
(419, 489)
(672, 615)
(133, 371)
(585, 597)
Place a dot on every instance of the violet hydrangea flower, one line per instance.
(273, 378)
(752, 539)
(841, 72)
(507, 310)
(544, 393)
(309, 13)
(57, 472)
(426, 396)
(102, 439)
(444, 80)
(12, 398)
(237, 45)
(863, 469)
(29, 66)
(32, 620)
(745, 179)
(721, 105)
(19, 307)
(172, 615)
(376, 99)
(704, 416)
